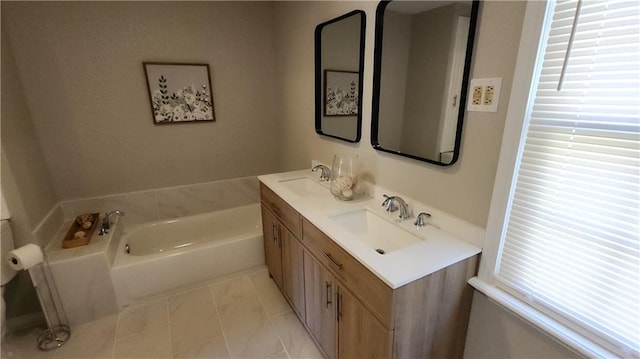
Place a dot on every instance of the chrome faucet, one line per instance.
(106, 222)
(421, 219)
(393, 203)
(325, 175)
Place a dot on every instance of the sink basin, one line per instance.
(375, 231)
(304, 186)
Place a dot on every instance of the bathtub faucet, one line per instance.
(106, 222)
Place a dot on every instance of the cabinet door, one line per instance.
(319, 287)
(272, 243)
(293, 271)
(360, 334)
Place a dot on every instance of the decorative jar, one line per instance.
(344, 176)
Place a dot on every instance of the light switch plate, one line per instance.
(484, 94)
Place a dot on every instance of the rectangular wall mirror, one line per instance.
(339, 63)
(422, 58)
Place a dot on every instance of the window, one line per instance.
(565, 216)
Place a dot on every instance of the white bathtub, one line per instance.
(168, 255)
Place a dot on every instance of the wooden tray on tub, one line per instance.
(70, 242)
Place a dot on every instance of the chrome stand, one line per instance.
(58, 331)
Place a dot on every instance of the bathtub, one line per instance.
(163, 256)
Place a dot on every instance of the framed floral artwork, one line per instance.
(179, 93)
(340, 93)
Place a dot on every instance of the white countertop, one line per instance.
(438, 249)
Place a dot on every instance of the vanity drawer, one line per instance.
(369, 289)
(285, 213)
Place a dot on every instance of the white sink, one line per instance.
(304, 186)
(381, 235)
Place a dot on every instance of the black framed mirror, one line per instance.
(339, 64)
(422, 58)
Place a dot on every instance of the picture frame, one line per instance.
(341, 93)
(179, 92)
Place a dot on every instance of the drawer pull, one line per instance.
(333, 261)
(327, 293)
(276, 209)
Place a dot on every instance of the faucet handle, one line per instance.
(420, 220)
(388, 203)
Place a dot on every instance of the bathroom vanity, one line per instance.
(364, 285)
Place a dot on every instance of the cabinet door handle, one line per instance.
(333, 261)
(279, 237)
(338, 305)
(327, 293)
(274, 232)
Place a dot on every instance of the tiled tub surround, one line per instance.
(154, 205)
(83, 274)
(242, 316)
(174, 202)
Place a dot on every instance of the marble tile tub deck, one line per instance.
(239, 317)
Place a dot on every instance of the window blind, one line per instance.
(571, 241)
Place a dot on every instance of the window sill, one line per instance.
(544, 323)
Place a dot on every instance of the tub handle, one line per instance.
(127, 249)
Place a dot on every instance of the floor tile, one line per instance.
(242, 317)
(195, 328)
(22, 344)
(295, 338)
(153, 342)
(282, 355)
(91, 340)
(200, 347)
(248, 330)
(133, 320)
(271, 297)
(232, 290)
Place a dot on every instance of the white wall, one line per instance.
(81, 67)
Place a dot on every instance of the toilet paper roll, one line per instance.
(25, 257)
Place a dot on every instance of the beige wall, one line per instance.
(430, 42)
(81, 67)
(25, 180)
(393, 81)
(25, 183)
(463, 189)
(80, 64)
(495, 333)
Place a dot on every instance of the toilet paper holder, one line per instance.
(31, 258)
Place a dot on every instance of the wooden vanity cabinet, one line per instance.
(320, 304)
(349, 311)
(283, 251)
(341, 325)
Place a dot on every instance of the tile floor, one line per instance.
(241, 317)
